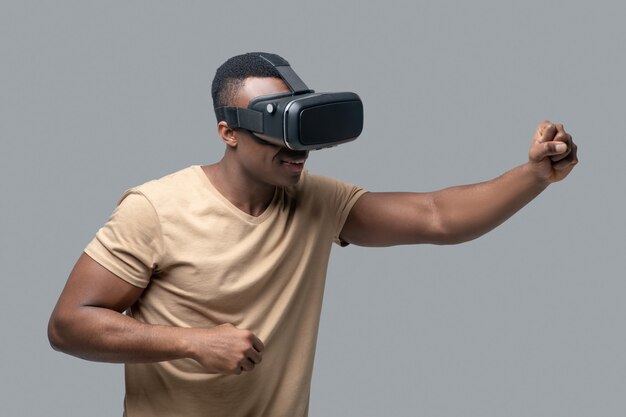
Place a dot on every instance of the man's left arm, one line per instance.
(462, 213)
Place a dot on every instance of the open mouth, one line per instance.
(295, 166)
(295, 163)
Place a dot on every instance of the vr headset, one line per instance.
(300, 119)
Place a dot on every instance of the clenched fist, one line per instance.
(225, 349)
(553, 153)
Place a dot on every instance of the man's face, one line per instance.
(271, 164)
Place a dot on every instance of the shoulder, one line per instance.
(168, 190)
(166, 185)
(326, 190)
(150, 203)
(314, 182)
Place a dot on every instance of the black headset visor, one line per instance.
(300, 119)
(309, 121)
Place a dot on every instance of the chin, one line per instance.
(289, 181)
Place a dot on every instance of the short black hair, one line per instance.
(230, 76)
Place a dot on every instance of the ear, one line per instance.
(227, 134)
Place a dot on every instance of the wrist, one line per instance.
(184, 343)
(536, 177)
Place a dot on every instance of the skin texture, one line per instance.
(250, 171)
(462, 213)
(88, 322)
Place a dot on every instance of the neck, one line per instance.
(239, 187)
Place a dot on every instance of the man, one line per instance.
(221, 268)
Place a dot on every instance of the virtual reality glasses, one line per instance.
(300, 119)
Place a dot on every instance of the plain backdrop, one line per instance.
(96, 97)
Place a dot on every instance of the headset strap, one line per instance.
(237, 117)
(289, 76)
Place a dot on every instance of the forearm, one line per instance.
(104, 335)
(463, 213)
(467, 212)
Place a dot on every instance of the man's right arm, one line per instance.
(88, 322)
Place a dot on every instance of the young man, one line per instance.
(221, 268)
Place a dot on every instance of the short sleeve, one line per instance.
(348, 194)
(340, 197)
(130, 244)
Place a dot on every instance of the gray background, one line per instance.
(96, 97)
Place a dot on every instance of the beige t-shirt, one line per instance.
(203, 263)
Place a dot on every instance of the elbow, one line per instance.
(451, 239)
(437, 231)
(57, 332)
(441, 235)
(444, 230)
(445, 233)
(54, 336)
